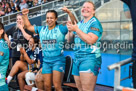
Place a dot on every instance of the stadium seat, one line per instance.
(68, 80)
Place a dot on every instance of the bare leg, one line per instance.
(19, 65)
(78, 83)
(88, 81)
(21, 80)
(39, 80)
(57, 80)
(47, 81)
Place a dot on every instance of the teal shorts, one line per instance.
(4, 88)
(49, 67)
(86, 64)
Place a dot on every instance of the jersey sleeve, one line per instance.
(63, 29)
(37, 29)
(95, 28)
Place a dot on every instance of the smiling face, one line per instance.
(20, 20)
(7, 5)
(51, 19)
(88, 10)
(31, 43)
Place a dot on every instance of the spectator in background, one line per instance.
(17, 38)
(23, 5)
(27, 58)
(30, 3)
(6, 7)
(1, 8)
(17, 8)
(12, 6)
(44, 1)
(3, 5)
(17, 2)
(2, 12)
(39, 1)
(35, 2)
(9, 11)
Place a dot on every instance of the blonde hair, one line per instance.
(91, 3)
(20, 14)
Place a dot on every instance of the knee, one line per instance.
(37, 80)
(57, 86)
(87, 87)
(20, 76)
(18, 63)
(79, 86)
(47, 86)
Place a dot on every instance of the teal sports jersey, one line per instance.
(52, 41)
(4, 61)
(92, 26)
(125, 7)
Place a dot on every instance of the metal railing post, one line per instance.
(117, 74)
(63, 2)
(102, 2)
(117, 77)
(2, 19)
(9, 18)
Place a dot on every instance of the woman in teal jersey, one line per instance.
(87, 33)
(4, 59)
(52, 37)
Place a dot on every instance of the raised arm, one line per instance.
(72, 17)
(26, 21)
(70, 36)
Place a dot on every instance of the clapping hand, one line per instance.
(20, 25)
(72, 27)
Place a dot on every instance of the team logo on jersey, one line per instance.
(96, 29)
(49, 41)
(1, 53)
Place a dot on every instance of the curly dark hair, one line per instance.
(2, 27)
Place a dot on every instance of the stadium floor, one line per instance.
(14, 87)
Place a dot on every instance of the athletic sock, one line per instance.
(9, 78)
